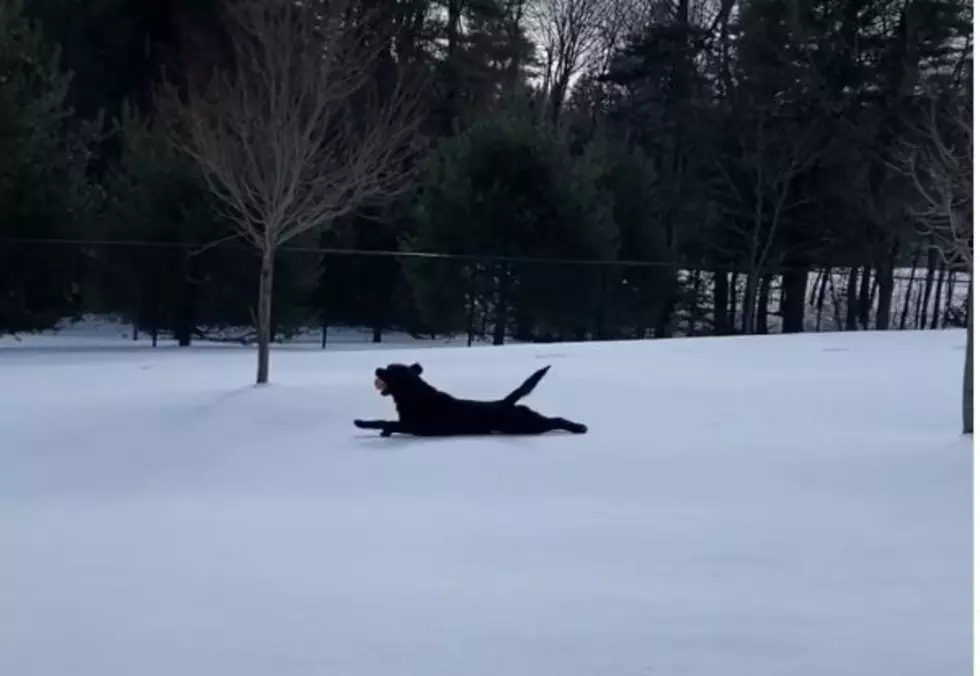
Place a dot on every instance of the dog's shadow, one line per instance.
(376, 442)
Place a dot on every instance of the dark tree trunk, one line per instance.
(814, 289)
(908, 291)
(950, 287)
(186, 324)
(821, 294)
(850, 323)
(885, 277)
(749, 301)
(932, 260)
(968, 366)
(695, 314)
(722, 326)
(794, 299)
(864, 298)
(937, 299)
(264, 315)
(762, 305)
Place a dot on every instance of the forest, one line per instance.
(534, 170)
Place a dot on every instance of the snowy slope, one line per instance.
(761, 506)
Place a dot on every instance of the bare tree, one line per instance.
(312, 117)
(571, 32)
(756, 195)
(938, 161)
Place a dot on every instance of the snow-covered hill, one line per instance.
(749, 506)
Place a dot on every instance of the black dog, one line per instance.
(426, 412)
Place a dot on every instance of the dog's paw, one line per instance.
(362, 424)
(386, 433)
(578, 428)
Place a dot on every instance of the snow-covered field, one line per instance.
(750, 506)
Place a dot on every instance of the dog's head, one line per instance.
(398, 379)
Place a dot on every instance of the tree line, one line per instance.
(733, 146)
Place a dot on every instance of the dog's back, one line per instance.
(427, 411)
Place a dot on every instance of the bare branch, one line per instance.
(313, 117)
(571, 33)
(755, 182)
(938, 163)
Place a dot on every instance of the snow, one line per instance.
(748, 506)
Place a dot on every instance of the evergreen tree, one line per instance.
(507, 189)
(45, 189)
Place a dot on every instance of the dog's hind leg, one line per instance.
(567, 425)
(523, 420)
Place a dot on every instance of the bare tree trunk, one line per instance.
(824, 278)
(267, 130)
(720, 298)
(874, 293)
(264, 314)
(908, 291)
(917, 312)
(950, 287)
(815, 287)
(885, 277)
(968, 366)
(864, 298)
(940, 278)
(762, 305)
(794, 299)
(931, 261)
(694, 314)
(852, 309)
(839, 318)
(749, 301)
(187, 316)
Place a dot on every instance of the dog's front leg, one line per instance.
(387, 427)
(370, 424)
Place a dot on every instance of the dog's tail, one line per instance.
(526, 387)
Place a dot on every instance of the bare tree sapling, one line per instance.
(938, 162)
(311, 117)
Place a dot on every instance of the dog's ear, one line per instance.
(416, 368)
